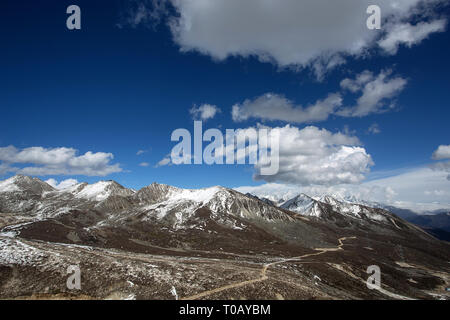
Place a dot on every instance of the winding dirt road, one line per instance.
(263, 274)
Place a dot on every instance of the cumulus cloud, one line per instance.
(375, 91)
(374, 129)
(62, 184)
(164, 162)
(443, 167)
(276, 107)
(144, 164)
(306, 156)
(313, 156)
(410, 187)
(443, 152)
(149, 12)
(141, 152)
(375, 96)
(6, 168)
(58, 161)
(204, 112)
(356, 84)
(292, 33)
(409, 35)
(437, 193)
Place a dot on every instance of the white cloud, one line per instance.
(276, 107)
(292, 33)
(306, 156)
(141, 152)
(376, 94)
(58, 161)
(374, 129)
(144, 164)
(409, 35)
(443, 152)
(6, 168)
(355, 85)
(62, 184)
(376, 91)
(313, 156)
(410, 188)
(143, 11)
(443, 167)
(437, 193)
(204, 112)
(164, 162)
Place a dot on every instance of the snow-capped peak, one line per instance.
(25, 183)
(99, 191)
(309, 206)
(300, 202)
(304, 205)
(9, 186)
(331, 200)
(195, 195)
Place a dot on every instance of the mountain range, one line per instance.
(436, 223)
(200, 241)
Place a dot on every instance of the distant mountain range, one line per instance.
(436, 223)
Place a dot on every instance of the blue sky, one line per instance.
(120, 85)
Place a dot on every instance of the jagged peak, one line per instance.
(165, 187)
(75, 188)
(22, 183)
(98, 191)
(329, 199)
(302, 197)
(156, 187)
(24, 178)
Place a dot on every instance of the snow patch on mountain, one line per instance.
(15, 252)
(199, 196)
(313, 207)
(346, 208)
(99, 191)
(20, 183)
(9, 186)
(181, 204)
(304, 205)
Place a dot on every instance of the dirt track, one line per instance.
(263, 275)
